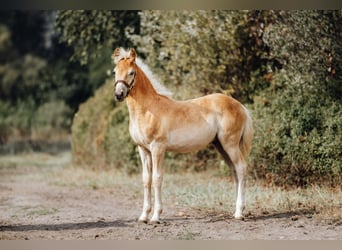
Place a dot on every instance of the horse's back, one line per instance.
(221, 104)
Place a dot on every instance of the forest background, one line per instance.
(285, 66)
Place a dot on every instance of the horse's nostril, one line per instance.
(119, 96)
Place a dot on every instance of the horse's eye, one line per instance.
(114, 72)
(132, 73)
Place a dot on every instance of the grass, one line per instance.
(34, 211)
(207, 190)
(41, 211)
(186, 235)
(194, 190)
(36, 160)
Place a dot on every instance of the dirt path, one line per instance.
(31, 209)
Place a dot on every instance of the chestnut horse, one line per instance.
(159, 123)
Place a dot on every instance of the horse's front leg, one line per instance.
(157, 152)
(146, 162)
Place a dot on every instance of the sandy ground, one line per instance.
(31, 209)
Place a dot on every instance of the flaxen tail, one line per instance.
(247, 135)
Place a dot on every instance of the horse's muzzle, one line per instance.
(119, 97)
(120, 91)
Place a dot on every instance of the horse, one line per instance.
(159, 123)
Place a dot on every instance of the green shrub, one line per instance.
(299, 145)
(100, 137)
(25, 122)
(50, 121)
(298, 120)
(88, 128)
(16, 120)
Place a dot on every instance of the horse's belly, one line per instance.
(184, 140)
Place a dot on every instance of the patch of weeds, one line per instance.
(187, 235)
(42, 211)
(8, 164)
(93, 184)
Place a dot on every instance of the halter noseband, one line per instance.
(125, 83)
(128, 86)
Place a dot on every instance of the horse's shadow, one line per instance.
(258, 216)
(66, 226)
(131, 223)
(281, 215)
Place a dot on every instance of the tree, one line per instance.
(20, 71)
(35, 76)
(91, 31)
(206, 51)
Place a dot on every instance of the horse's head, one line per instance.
(124, 71)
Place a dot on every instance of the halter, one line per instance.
(128, 86)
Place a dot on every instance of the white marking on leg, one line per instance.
(157, 179)
(241, 186)
(147, 181)
(240, 167)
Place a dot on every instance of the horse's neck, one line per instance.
(142, 94)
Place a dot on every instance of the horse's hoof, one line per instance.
(154, 222)
(142, 221)
(239, 217)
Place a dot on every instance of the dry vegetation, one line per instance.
(210, 191)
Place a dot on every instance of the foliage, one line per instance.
(36, 75)
(100, 133)
(91, 31)
(20, 71)
(18, 74)
(52, 114)
(298, 120)
(206, 51)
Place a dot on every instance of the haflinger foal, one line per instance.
(158, 123)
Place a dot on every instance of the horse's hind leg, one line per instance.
(234, 158)
(226, 158)
(241, 174)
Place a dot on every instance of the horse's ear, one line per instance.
(132, 54)
(116, 57)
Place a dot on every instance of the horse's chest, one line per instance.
(142, 133)
(135, 132)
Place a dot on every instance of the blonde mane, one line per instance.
(161, 89)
